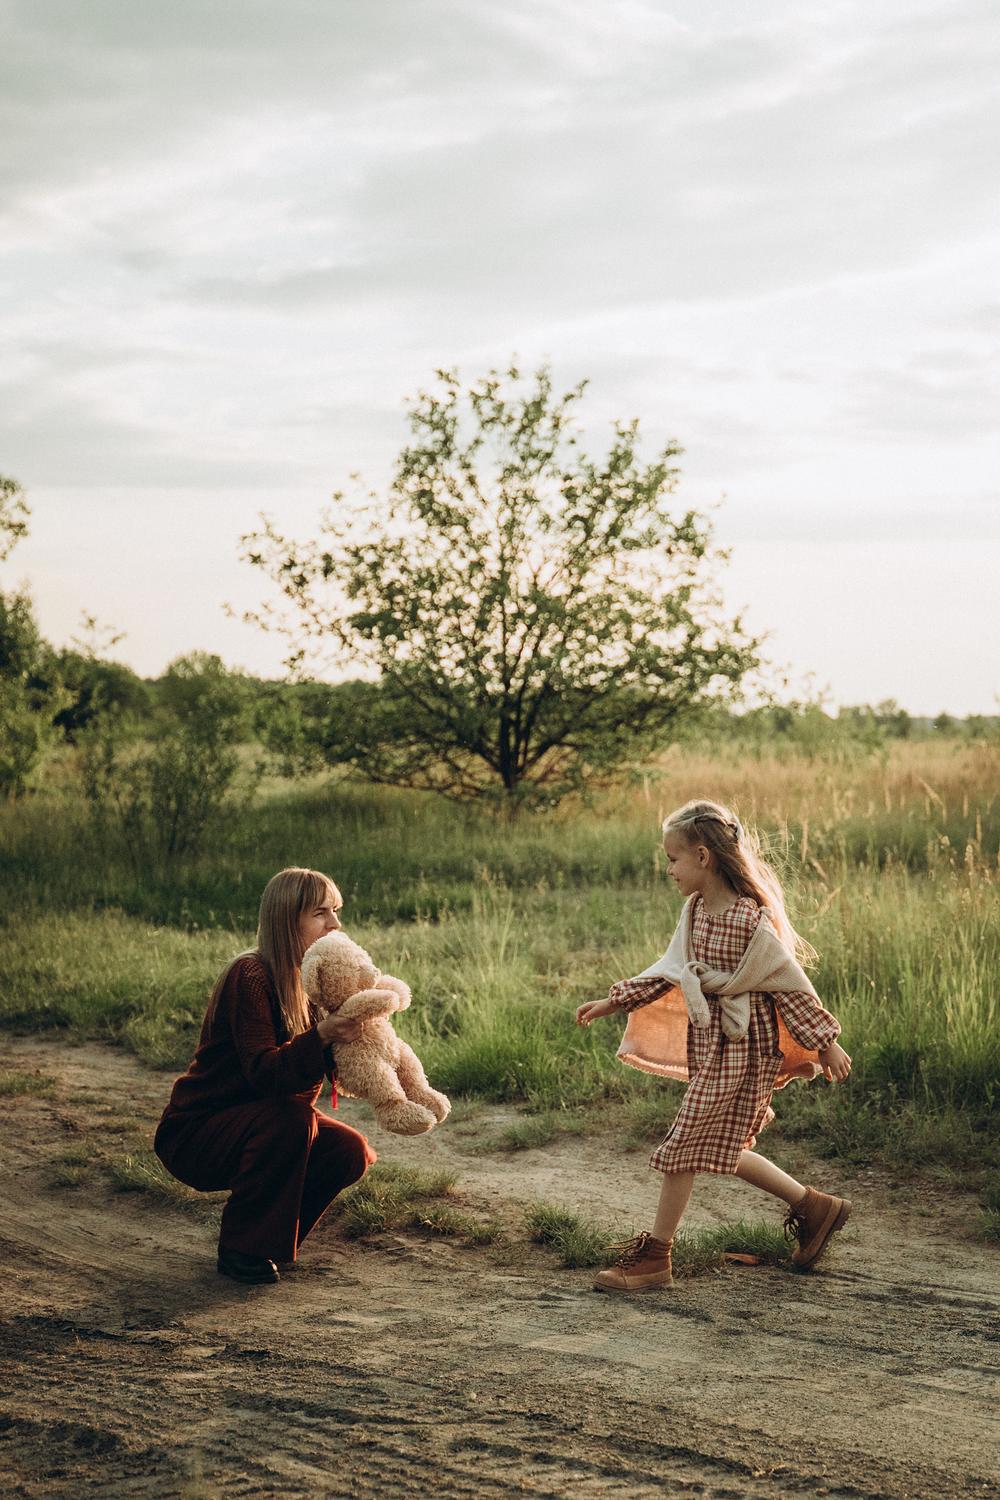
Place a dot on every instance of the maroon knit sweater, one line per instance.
(244, 1054)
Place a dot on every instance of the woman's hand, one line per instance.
(592, 1010)
(337, 1028)
(835, 1062)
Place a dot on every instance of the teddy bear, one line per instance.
(338, 975)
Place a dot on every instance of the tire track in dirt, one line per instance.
(418, 1366)
(336, 1428)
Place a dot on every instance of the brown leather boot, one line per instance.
(811, 1222)
(644, 1263)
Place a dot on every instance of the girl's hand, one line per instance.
(835, 1062)
(340, 1028)
(592, 1010)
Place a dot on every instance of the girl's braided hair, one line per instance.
(739, 860)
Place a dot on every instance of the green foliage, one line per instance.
(30, 694)
(989, 1225)
(14, 513)
(162, 800)
(96, 689)
(532, 618)
(26, 738)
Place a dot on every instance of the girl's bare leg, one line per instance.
(764, 1174)
(674, 1195)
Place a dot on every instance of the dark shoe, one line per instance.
(250, 1268)
(811, 1223)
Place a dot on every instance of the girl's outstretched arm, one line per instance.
(835, 1062)
(592, 1010)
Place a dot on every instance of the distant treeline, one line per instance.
(301, 717)
(307, 724)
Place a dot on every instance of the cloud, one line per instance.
(948, 393)
(235, 235)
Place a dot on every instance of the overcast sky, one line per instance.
(235, 234)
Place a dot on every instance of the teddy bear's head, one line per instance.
(335, 968)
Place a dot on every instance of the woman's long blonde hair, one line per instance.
(738, 857)
(279, 943)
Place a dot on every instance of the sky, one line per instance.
(235, 235)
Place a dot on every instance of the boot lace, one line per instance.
(795, 1223)
(634, 1250)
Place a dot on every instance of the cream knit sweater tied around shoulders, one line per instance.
(766, 968)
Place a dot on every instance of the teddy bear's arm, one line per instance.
(370, 1003)
(398, 987)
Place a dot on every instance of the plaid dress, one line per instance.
(728, 1098)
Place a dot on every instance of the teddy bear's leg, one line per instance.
(410, 1071)
(393, 1110)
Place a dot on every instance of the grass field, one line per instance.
(891, 864)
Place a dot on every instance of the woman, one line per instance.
(244, 1114)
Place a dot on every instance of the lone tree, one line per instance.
(529, 618)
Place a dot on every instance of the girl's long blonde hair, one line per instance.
(738, 857)
(279, 944)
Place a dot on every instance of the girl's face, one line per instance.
(687, 864)
(316, 921)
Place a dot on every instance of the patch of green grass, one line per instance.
(699, 1250)
(13, 1082)
(576, 1240)
(73, 1167)
(415, 1182)
(580, 1242)
(389, 1197)
(534, 1131)
(70, 1176)
(103, 974)
(989, 1225)
(445, 1220)
(398, 1197)
(141, 1171)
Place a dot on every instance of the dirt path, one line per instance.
(408, 1366)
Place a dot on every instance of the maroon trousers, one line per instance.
(283, 1161)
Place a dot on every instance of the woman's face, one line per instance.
(687, 863)
(316, 921)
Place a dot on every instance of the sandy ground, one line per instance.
(408, 1366)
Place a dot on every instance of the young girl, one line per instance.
(748, 1019)
(244, 1114)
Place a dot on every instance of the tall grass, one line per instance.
(399, 855)
(503, 930)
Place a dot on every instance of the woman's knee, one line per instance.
(358, 1158)
(292, 1122)
(348, 1152)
